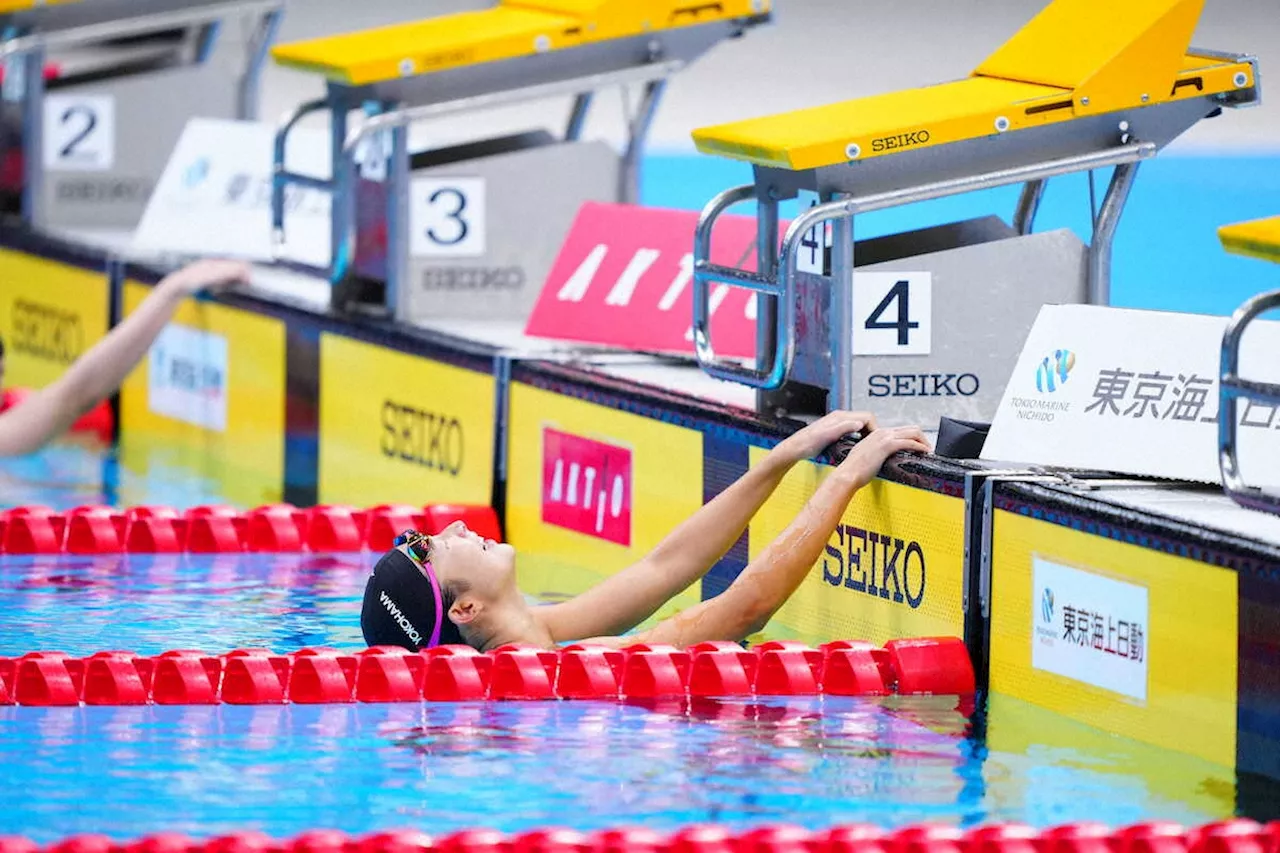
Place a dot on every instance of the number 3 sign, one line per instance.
(447, 217)
(892, 313)
(79, 133)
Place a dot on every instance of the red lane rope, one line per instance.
(277, 528)
(938, 666)
(1230, 836)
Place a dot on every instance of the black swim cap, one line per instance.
(402, 607)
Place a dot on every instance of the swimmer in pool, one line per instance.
(94, 376)
(457, 588)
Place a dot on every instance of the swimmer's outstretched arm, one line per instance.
(621, 602)
(94, 376)
(747, 605)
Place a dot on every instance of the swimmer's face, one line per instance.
(486, 567)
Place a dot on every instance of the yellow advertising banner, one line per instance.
(398, 428)
(591, 490)
(50, 314)
(1126, 639)
(209, 400)
(893, 569)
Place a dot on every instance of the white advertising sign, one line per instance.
(1090, 628)
(1134, 392)
(214, 197)
(187, 377)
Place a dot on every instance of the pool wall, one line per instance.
(276, 402)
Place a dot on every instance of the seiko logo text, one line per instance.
(586, 486)
(923, 385)
(47, 332)
(876, 564)
(429, 439)
(108, 191)
(902, 140)
(473, 278)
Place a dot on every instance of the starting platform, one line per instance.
(1083, 86)
(97, 92)
(407, 230)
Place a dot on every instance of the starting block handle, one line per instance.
(772, 367)
(1231, 389)
(281, 177)
(1123, 157)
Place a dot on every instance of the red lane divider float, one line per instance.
(276, 528)
(938, 666)
(1231, 836)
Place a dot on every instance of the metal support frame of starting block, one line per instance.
(114, 122)
(1074, 91)
(571, 49)
(1259, 239)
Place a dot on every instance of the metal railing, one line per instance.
(396, 120)
(773, 368)
(1231, 389)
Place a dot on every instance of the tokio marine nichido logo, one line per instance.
(1054, 371)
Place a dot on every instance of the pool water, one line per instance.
(124, 772)
(282, 770)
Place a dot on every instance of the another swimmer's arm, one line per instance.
(626, 599)
(98, 373)
(766, 584)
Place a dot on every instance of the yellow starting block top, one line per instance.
(1257, 239)
(9, 6)
(1077, 58)
(512, 29)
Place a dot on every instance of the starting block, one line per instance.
(1259, 239)
(933, 321)
(97, 92)
(411, 234)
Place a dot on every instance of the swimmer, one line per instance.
(456, 588)
(96, 375)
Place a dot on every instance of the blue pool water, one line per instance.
(511, 766)
(126, 772)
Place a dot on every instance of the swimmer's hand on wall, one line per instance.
(866, 458)
(212, 276)
(824, 432)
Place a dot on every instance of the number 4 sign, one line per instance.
(812, 254)
(893, 313)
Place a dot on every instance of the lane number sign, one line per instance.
(79, 133)
(811, 257)
(893, 313)
(447, 217)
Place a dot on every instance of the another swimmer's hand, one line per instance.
(210, 275)
(865, 460)
(822, 433)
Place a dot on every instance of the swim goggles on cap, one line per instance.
(419, 547)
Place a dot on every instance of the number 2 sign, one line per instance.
(79, 133)
(892, 313)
